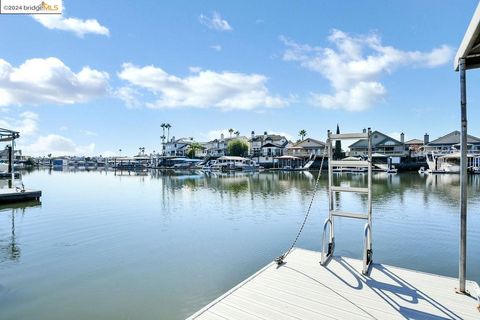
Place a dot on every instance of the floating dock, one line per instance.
(302, 289)
(12, 195)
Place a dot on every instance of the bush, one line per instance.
(237, 148)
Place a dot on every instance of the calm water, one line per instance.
(161, 246)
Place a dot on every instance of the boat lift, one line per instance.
(6, 136)
(327, 253)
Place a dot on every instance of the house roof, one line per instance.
(261, 137)
(274, 145)
(414, 141)
(364, 143)
(470, 46)
(453, 138)
(308, 143)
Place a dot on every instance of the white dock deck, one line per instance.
(9, 195)
(302, 289)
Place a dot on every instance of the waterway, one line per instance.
(160, 245)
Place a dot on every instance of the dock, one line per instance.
(11, 195)
(303, 289)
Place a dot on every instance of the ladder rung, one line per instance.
(347, 136)
(349, 189)
(336, 213)
(350, 164)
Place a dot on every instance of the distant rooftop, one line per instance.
(453, 138)
(414, 141)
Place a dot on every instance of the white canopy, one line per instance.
(470, 46)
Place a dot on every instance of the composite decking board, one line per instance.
(213, 316)
(303, 289)
(302, 305)
(11, 195)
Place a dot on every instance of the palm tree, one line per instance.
(237, 133)
(194, 146)
(168, 126)
(302, 133)
(120, 151)
(163, 128)
(231, 131)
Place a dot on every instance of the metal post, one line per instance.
(12, 154)
(462, 270)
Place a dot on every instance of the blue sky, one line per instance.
(106, 74)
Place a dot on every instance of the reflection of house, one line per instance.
(381, 143)
(305, 148)
(451, 142)
(218, 147)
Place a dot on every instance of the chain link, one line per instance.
(280, 260)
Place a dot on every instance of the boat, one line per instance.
(422, 170)
(231, 163)
(449, 162)
(392, 170)
(3, 166)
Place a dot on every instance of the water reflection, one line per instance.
(385, 186)
(9, 248)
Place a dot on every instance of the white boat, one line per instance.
(231, 163)
(422, 170)
(3, 166)
(449, 162)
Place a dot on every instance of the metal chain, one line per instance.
(280, 260)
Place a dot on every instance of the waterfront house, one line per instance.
(451, 142)
(381, 143)
(264, 148)
(177, 147)
(305, 148)
(258, 144)
(414, 147)
(218, 147)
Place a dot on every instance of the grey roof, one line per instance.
(453, 138)
(364, 143)
(309, 143)
(271, 136)
(414, 141)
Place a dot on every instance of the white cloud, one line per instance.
(222, 90)
(57, 146)
(63, 128)
(216, 47)
(26, 125)
(78, 26)
(129, 95)
(354, 66)
(40, 81)
(215, 22)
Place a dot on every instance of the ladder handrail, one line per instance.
(332, 212)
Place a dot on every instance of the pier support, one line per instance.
(463, 178)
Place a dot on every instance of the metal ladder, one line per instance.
(333, 213)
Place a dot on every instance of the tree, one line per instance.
(168, 126)
(231, 131)
(338, 147)
(302, 133)
(194, 146)
(237, 133)
(237, 148)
